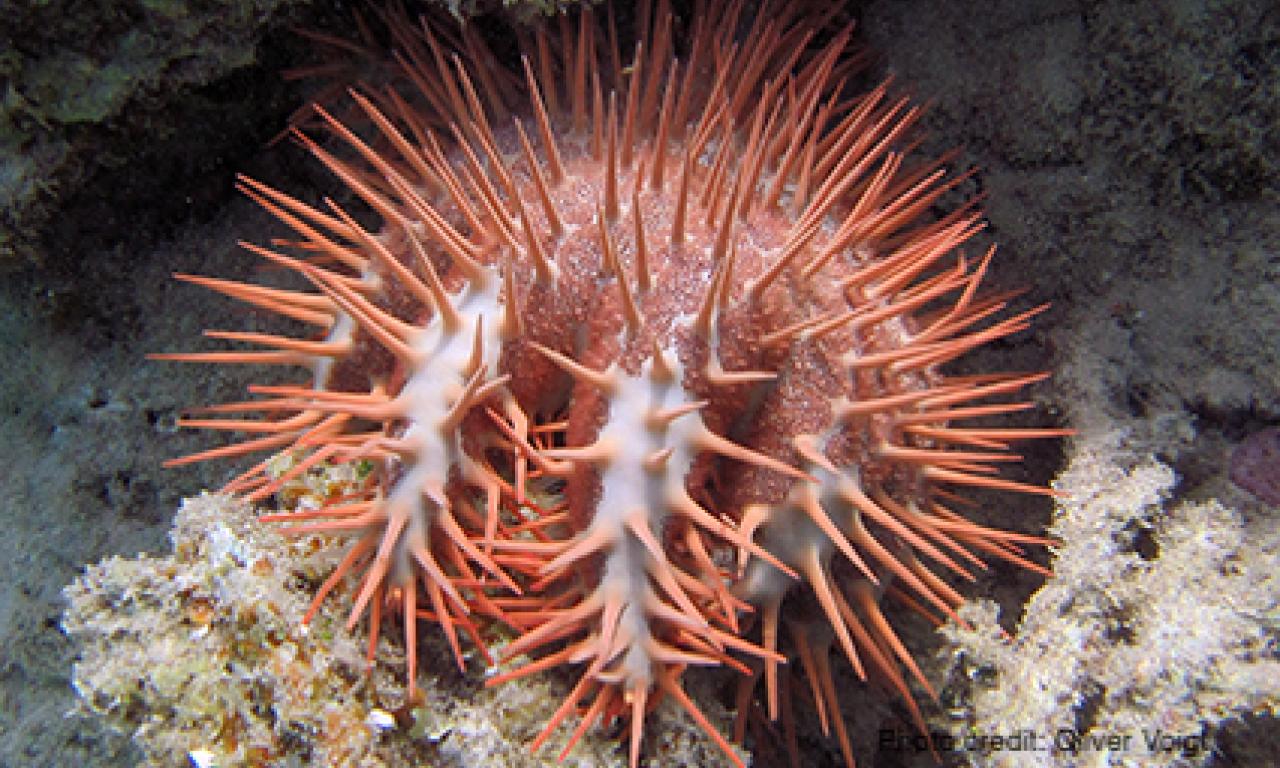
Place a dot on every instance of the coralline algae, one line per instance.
(1255, 465)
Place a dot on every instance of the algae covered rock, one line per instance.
(87, 83)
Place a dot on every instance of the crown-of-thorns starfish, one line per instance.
(698, 292)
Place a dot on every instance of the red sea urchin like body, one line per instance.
(697, 296)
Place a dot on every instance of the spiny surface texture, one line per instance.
(650, 345)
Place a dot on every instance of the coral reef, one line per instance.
(1155, 642)
(1173, 286)
(1160, 623)
(201, 655)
